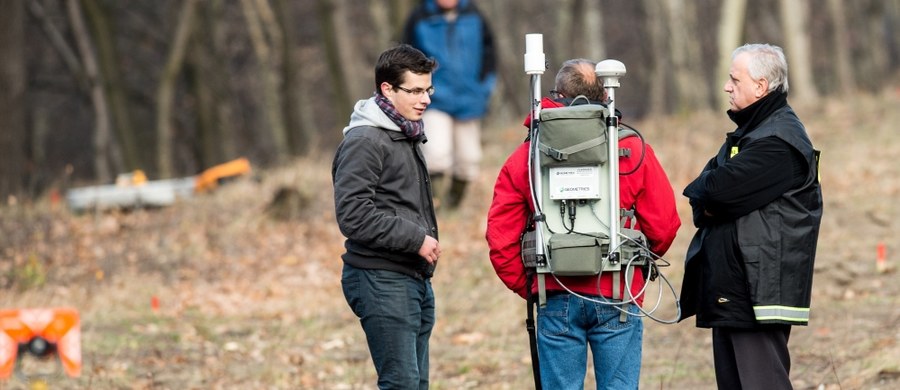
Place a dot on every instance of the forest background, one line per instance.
(235, 290)
(93, 88)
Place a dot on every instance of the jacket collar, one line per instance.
(751, 116)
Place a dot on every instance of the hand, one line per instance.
(430, 250)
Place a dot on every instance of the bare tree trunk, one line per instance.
(794, 17)
(840, 42)
(731, 30)
(300, 136)
(40, 125)
(892, 38)
(209, 137)
(104, 150)
(384, 30)
(199, 71)
(59, 43)
(166, 91)
(873, 61)
(660, 76)
(350, 52)
(512, 83)
(342, 99)
(398, 11)
(564, 31)
(595, 47)
(13, 137)
(226, 129)
(686, 67)
(274, 84)
(265, 35)
(110, 74)
(208, 79)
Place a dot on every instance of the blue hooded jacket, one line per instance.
(464, 49)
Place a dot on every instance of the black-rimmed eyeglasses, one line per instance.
(554, 94)
(417, 91)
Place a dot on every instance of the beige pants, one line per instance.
(453, 146)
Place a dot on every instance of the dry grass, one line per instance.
(252, 302)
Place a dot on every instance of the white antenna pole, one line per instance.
(535, 64)
(610, 71)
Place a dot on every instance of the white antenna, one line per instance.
(610, 71)
(535, 64)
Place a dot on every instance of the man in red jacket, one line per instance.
(568, 323)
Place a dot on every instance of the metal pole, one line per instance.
(535, 64)
(610, 71)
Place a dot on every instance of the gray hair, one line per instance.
(766, 62)
(577, 77)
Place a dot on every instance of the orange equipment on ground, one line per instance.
(134, 190)
(210, 178)
(40, 332)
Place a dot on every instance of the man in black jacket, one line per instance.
(757, 206)
(382, 200)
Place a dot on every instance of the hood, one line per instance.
(432, 7)
(367, 113)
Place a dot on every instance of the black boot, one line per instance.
(456, 193)
(437, 188)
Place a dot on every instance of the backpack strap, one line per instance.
(532, 329)
(542, 289)
(563, 154)
(625, 133)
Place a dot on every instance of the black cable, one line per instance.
(643, 149)
(562, 217)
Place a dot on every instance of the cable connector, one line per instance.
(614, 258)
(572, 207)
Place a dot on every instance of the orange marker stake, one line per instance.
(881, 259)
(154, 303)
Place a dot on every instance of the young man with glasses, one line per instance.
(383, 205)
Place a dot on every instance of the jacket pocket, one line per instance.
(752, 267)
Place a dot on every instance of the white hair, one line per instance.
(766, 62)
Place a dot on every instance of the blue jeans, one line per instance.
(565, 328)
(397, 314)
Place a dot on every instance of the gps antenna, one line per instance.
(610, 71)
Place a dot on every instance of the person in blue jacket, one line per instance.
(456, 34)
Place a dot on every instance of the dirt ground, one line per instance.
(250, 300)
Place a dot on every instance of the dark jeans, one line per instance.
(397, 314)
(752, 359)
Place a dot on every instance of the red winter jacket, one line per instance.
(647, 190)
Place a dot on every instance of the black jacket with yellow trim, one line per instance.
(756, 268)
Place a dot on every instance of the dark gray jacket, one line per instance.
(382, 195)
